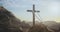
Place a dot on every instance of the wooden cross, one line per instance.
(33, 12)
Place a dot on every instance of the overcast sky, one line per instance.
(49, 9)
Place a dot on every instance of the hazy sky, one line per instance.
(49, 9)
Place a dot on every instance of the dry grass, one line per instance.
(39, 28)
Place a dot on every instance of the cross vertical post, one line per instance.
(33, 12)
(33, 15)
